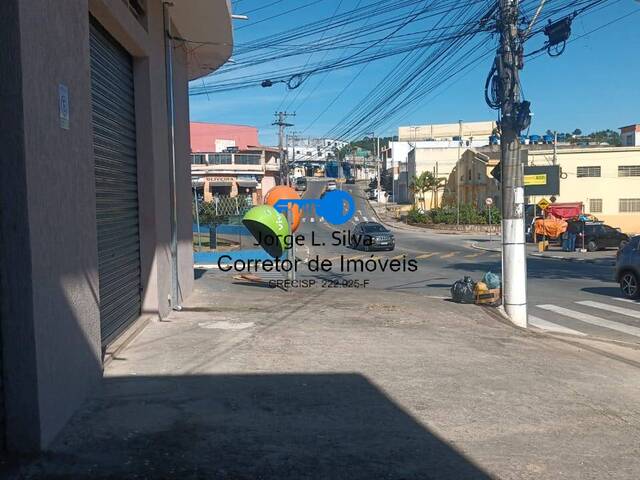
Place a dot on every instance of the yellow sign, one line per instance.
(544, 204)
(536, 179)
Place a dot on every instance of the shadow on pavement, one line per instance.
(549, 269)
(606, 291)
(284, 426)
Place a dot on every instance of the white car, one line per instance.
(331, 185)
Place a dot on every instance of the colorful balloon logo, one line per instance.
(282, 192)
(268, 227)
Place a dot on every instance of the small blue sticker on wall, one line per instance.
(63, 106)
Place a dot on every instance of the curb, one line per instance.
(554, 257)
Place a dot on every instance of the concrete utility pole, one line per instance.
(458, 173)
(514, 266)
(282, 124)
(378, 161)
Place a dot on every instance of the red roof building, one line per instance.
(215, 137)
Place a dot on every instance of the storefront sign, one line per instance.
(219, 179)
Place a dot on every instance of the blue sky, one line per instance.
(592, 86)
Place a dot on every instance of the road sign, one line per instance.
(536, 179)
(544, 204)
(489, 201)
(542, 180)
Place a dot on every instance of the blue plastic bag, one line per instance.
(491, 280)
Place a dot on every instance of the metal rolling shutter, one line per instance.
(114, 144)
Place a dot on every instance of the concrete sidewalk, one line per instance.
(256, 383)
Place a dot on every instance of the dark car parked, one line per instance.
(598, 236)
(351, 180)
(371, 236)
(628, 268)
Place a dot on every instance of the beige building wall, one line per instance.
(607, 189)
(446, 131)
(440, 162)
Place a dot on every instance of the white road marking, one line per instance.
(628, 300)
(365, 219)
(552, 327)
(448, 255)
(304, 219)
(593, 320)
(355, 219)
(426, 255)
(398, 257)
(321, 219)
(611, 308)
(312, 219)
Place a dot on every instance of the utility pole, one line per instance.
(459, 171)
(282, 124)
(514, 266)
(555, 147)
(378, 161)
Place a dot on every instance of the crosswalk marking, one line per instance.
(448, 255)
(312, 219)
(552, 327)
(365, 219)
(611, 308)
(592, 319)
(426, 255)
(628, 300)
(355, 219)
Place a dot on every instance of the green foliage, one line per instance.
(416, 216)
(469, 215)
(371, 143)
(426, 182)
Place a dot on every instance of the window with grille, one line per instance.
(629, 171)
(588, 172)
(629, 205)
(595, 205)
(220, 159)
(247, 159)
(198, 159)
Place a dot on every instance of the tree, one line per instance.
(577, 132)
(427, 182)
(419, 185)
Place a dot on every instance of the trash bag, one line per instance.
(462, 291)
(492, 280)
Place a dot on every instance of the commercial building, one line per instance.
(219, 137)
(630, 135)
(93, 105)
(250, 172)
(228, 161)
(433, 148)
(605, 179)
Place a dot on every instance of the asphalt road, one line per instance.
(564, 297)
